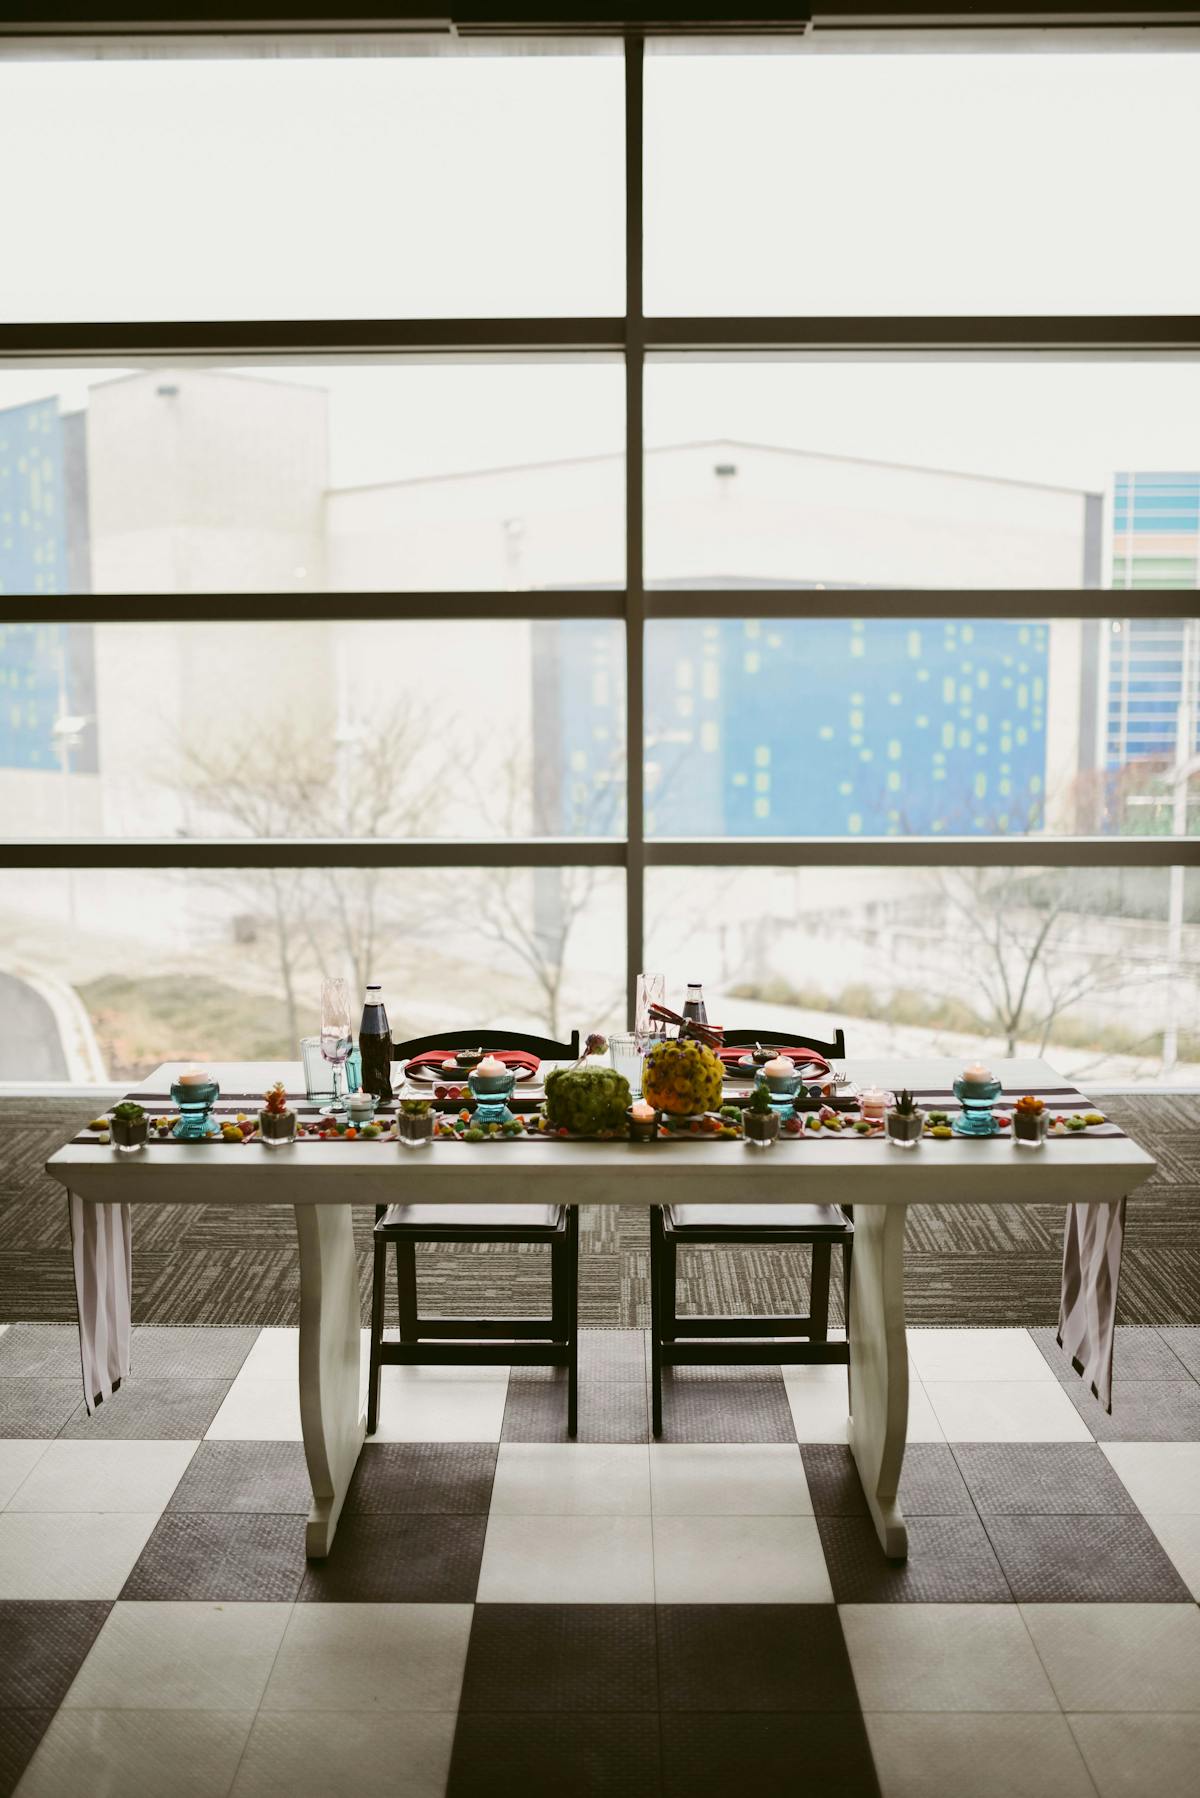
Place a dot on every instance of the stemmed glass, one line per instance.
(337, 1038)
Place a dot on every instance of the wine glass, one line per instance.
(337, 1038)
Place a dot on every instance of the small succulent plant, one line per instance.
(1030, 1106)
(906, 1105)
(759, 1101)
(128, 1112)
(275, 1099)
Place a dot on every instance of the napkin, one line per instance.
(520, 1060)
(102, 1249)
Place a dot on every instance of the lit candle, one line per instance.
(642, 1110)
(194, 1077)
(781, 1068)
(359, 1101)
(490, 1067)
(977, 1075)
(874, 1103)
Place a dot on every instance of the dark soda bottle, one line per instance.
(693, 1006)
(375, 1045)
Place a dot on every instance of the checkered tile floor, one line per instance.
(507, 1612)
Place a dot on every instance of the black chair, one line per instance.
(673, 1227)
(478, 1341)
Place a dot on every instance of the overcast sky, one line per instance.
(398, 186)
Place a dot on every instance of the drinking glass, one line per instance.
(337, 1037)
(625, 1053)
(651, 990)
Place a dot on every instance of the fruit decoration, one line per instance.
(681, 1078)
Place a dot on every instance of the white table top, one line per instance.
(816, 1170)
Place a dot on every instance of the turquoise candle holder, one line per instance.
(977, 1097)
(783, 1090)
(195, 1104)
(491, 1093)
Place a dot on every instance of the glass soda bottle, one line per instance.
(693, 1005)
(375, 1045)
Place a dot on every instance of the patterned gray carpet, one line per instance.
(965, 1266)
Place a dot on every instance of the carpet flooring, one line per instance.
(206, 1265)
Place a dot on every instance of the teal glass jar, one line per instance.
(195, 1100)
(978, 1099)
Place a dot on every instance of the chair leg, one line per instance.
(560, 1296)
(378, 1280)
(818, 1309)
(572, 1295)
(847, 1263)
(406, 1289)
(669, 1274)
(656, 1301)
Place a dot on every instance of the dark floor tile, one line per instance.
(220, 1558)
(37, 1406)
(162, 1352)
(161, 1410)
(609, 1411)
(1185, 1343)
(603, 1355)
(930, 1483)
(20, 1733)
(559, 1755)
(1084, 1560)
(950, 1561)
(43, 1644)
(400, 1560)
(1139, 1353)
(1041, 1479)
(45, 1351)
(452, 1477)
(747, 1410)
(781, 1755)
(753, 1657)
(271, 1477)
(1142, 1411)
(561, 1657)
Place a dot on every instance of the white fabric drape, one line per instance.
(102, 1249)
(1087, 1313)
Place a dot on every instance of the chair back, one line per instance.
(544, 1047)
(746, 1039)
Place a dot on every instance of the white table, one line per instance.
(322, 1180)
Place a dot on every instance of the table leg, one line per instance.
(879, 1359)
(331, 1413)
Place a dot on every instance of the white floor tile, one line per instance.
(1119, 1657)
(739, 1560)
(1141, 1757)
(567, 1560)
(70, 1555)
(371, 1657)
(711, 1479)
(976, 1355)
(258, 1410)
(923, 1425)
(275, 1356)
(989, 1756)
(297, 1756)
(819, 1402)
(138, 1754)
(1005, 1411)
(571, 1480)
(1180, 1536)
(441, 1411)
(17, 1461)
(1159, 1476)
(944, 1657)
(180, 1657)
(104, 1476)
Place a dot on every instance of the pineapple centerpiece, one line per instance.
(682, 1077)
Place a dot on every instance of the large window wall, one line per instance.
(495, 521)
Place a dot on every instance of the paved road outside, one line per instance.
(30, 1046)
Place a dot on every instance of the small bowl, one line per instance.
(760, 1057)
(466, 1059)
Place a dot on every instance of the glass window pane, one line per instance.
(135, 968)
(882, 472)
(913, 962)
(313, 730)
(313, 187)
(985, 182)
(908, 727)
(409, 475)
